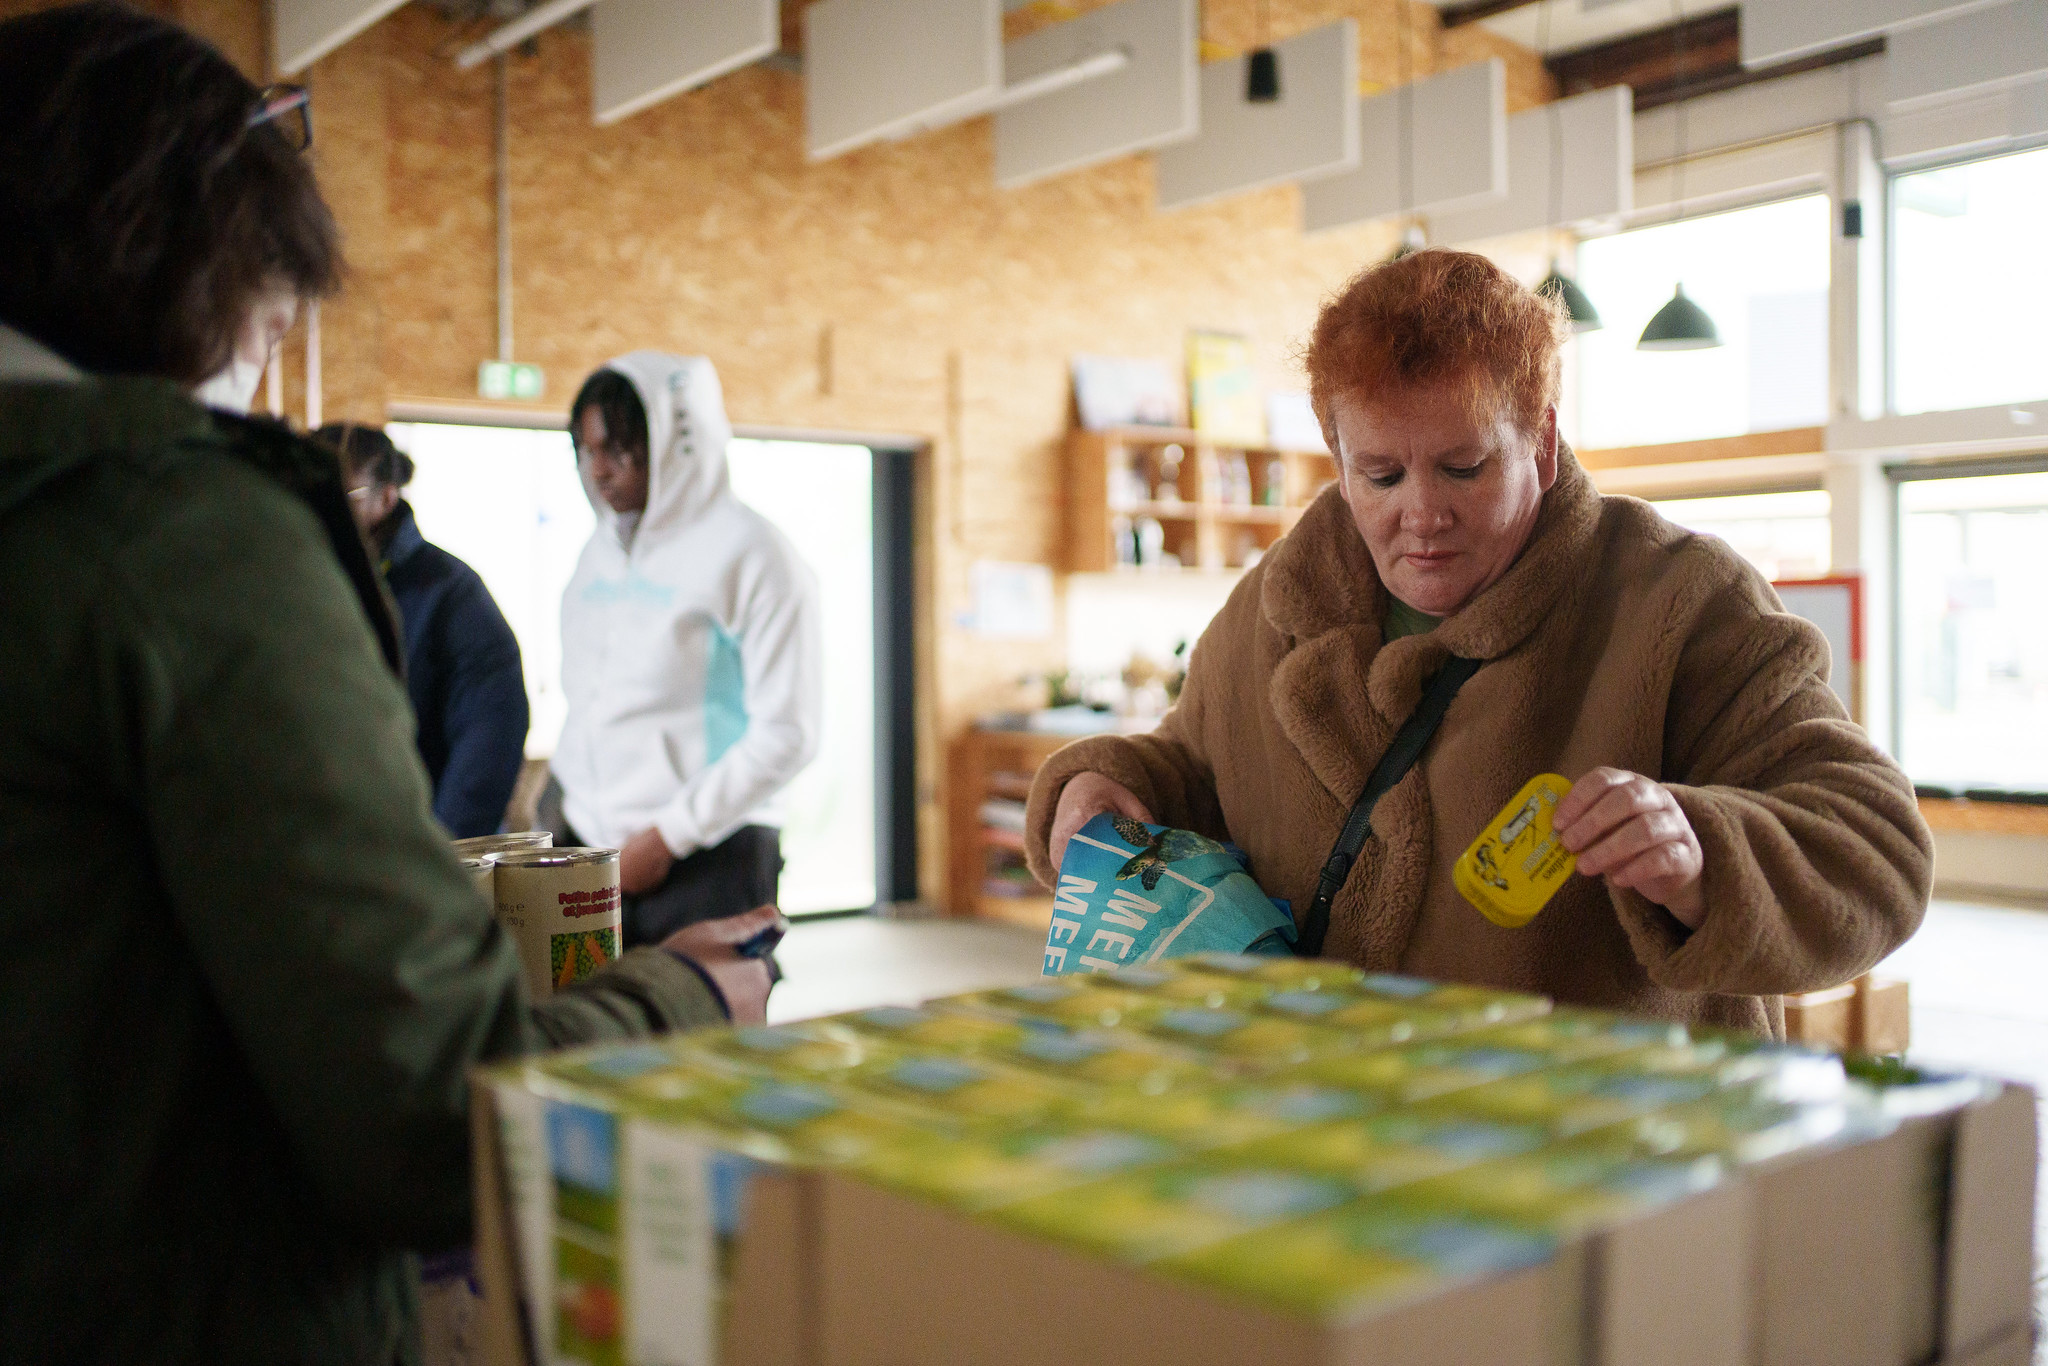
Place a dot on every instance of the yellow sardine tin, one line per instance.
(1517, 864)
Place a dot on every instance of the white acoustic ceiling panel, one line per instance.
(1774, 30)
(1458, 140)
(1595, 133)
(1149, 102)
(877, 69)
(1310, 131)
(2027, 106)
(644, 51)
(304, 31)
(1996, 46)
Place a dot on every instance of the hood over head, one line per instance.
(687, 436)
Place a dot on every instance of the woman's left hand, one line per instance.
(644, 862)
(1630, 830)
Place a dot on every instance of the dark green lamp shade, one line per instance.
(1680, 325)
(1585, 317)
(1262, 77)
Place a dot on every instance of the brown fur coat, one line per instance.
(1615, 639)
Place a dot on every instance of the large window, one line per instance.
(1785, 535)
(1970, 284)
(1973, 631)
(1762, 275)
(509, 503)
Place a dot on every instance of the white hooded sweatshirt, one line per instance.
(691, 647)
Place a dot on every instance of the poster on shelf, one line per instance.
(1223, 395)
(1116, 391)
(1292, 424)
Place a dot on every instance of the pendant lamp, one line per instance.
(1262, 72)
(1585, 317)
(1680, 325)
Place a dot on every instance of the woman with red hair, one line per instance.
(1738, 836)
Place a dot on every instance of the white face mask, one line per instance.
(233, 389)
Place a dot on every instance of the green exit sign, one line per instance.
(508, 379)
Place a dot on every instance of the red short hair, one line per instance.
(1436, 316)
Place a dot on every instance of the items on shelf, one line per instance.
(1117, 391)
(1153, 499)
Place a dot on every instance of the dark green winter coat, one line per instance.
(242, 976)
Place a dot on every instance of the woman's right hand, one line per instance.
(1086, 796)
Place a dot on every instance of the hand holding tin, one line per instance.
(729, 950)
(1630, 830)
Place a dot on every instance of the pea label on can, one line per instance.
(561, 907)
(1517, 864)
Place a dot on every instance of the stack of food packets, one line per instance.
(1292, 1132)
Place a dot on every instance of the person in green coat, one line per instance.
(243, 978)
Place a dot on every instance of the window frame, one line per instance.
(1664, 218)
(1893, 173)
(1918, 472)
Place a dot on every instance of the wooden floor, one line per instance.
(1979, 979)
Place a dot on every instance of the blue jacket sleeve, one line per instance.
(486, 713)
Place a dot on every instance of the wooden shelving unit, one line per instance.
(1210, 516)
(993, 765)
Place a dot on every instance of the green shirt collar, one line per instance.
(1403, 620)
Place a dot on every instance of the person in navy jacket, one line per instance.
(461, 660)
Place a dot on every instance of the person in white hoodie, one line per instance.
(691, 654)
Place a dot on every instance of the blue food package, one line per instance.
(1135, 893)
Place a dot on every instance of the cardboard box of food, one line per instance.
(915, 1190)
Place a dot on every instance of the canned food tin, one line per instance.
(1517, 864)
(479, 845)
(561, 906)
(479, 870)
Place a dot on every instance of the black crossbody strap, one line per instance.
(1409, 742)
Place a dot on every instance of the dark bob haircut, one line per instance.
(618, 403)
(368, 453)
(141, 215)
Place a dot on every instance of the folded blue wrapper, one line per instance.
(1135, 893)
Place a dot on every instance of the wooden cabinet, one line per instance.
(990, 777)
(1215, 506)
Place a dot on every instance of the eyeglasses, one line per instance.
(278, 104)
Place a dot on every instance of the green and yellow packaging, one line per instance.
(1220, 1115)
(1334, 1264)
(989, 1171)
(1175, 1209)
(1403, 1076)
(1381, 1152)
(1562, 1190)
(971, 1091)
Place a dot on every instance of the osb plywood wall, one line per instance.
(894, 289)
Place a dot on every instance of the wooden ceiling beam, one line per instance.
(1472, 11)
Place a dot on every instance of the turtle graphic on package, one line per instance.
(1156, 851)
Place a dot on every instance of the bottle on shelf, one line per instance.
(1151, 541)
(1121, 536)
(1276, 482)
(1170, 458)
